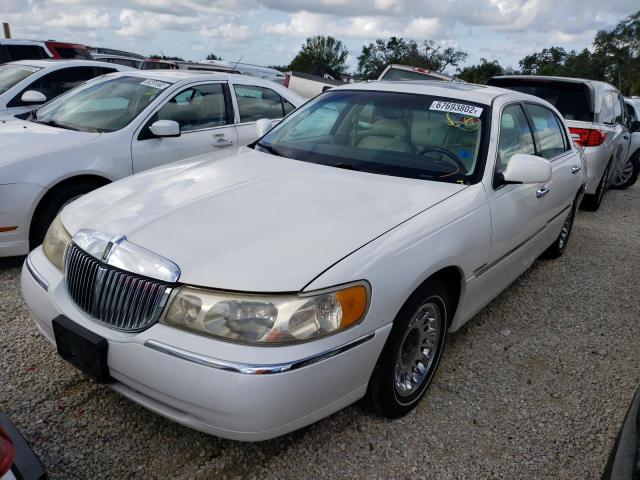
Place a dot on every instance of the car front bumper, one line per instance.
(217, 387)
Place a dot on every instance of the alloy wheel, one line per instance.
(418, 349)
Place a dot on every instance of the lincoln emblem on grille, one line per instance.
(116, 282)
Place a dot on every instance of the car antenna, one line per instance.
(236, 64)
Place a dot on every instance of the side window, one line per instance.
(196, 108)
(58, 82)
(607, 114)
(255, 103)
(288, 107)
(26, 52)
(515, 136)
(545, 125)
(617, 108)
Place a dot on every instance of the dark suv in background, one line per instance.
(596, 116)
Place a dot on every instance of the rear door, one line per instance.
(205, 115)
(254, 103)
(553, 144)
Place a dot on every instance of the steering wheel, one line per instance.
(446, 153)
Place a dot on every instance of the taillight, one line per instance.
(588, 137)
(6, 453)
(286, 81)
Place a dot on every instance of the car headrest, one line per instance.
(389, 128)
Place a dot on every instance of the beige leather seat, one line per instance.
(387, 134)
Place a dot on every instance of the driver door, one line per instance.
(205, 115)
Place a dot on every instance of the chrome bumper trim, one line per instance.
(35, 274)
(252, 369)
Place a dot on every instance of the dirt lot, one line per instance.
(535, 386)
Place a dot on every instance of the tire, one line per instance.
(628, 174)
(592, 202)
(427, 307)
(51, 205)
(557, 248)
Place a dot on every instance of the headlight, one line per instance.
(56, 242)
(267, 319)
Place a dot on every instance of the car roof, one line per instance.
(51, 62)
(463, 91)
(175, 76)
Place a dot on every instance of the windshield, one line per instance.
(103, 105)
(11, 75)
(398, 134)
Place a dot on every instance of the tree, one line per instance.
(163, 57)
(377, 55)
(323, 52)
(550, 61)
(480, 73)
(213, 56)
(619, 52)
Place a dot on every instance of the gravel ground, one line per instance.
(536, 386)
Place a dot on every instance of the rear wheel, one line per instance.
(592, 202)
(51, 205)
(628, 174)
(412, 353)
(557, 248)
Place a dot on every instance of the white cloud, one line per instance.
(227, 31)
(147, 24)
(86, 19)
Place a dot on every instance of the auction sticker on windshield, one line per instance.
(155, 84)
(470, 110)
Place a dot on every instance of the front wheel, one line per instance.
(412, 353)
(628, 174)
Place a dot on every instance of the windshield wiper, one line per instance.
(270, 149)
(53, 123)
(346, 166)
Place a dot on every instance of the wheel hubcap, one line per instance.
(624, 174)
(566, 230)
(418, 349)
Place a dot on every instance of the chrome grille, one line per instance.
(119, 299)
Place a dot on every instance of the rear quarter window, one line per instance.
(572, 100)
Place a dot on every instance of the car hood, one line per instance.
(253, 221)
(20, 139)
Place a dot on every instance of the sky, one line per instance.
(270, 32)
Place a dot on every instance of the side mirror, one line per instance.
(165, 128)
(635, 126)
(523, 168)
(262, 126)
(33, 96)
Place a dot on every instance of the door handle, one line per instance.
(542, 191)
(626, 137)
(222, 142)
(575, 169)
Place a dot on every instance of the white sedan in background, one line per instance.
(254, 295)
(26, 84)
(117, 125)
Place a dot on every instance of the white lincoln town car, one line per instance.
(250, 296)
(117, 125)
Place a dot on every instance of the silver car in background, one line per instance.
(596, 116)
(628, 173)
